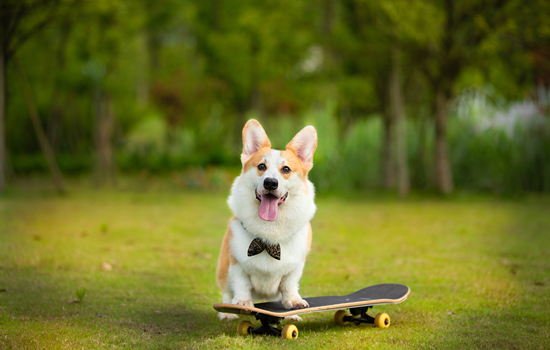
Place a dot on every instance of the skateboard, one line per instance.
(350, 308)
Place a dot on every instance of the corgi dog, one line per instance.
(267, 240)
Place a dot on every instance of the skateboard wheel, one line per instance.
(382, 320)
(289, 332)
(339, 317)
(243, 327)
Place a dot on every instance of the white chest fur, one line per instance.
(265, 272)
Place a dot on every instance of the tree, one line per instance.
(398, 116)
(39, 131)
(109, 25)
(13, 33)
(361, 46)
(380, 37)
(463, 27)
(247, 46)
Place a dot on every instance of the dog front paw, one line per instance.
(243, 302)
(295, 304)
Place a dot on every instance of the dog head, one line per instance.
(278, 174)
(274, 184)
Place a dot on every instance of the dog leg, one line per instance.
(289, 290)
(241, 286)
(293, 318)
(223, 316)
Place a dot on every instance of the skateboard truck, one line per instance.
(269, 326)
(359, 315)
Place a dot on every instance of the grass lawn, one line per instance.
(478, 269)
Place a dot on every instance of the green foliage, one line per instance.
(507, 159)
(184, 76)
(507, 153)
(326, 158)
(148, 135)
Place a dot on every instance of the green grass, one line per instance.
(478, 269)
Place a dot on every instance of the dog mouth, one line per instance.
(269, 205)
(270, 196)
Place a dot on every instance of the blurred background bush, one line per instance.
(430, 96)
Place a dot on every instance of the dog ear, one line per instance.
(254, 138)
(304, 145)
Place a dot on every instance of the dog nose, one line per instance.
(271, 184)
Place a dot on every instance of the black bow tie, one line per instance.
(257, 246)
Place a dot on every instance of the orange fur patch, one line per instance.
(256, 159)
(295, 165)
(226, 259)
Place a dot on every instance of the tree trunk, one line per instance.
(328, 17)
(54, 126)
(443, 175)
(398, 111)
(143, 69)
(104, 128)
(40, 134)
(421, 165)
(2, 113)
(388, 174)
(327, 24)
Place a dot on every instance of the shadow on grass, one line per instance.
(174, 321)
(117, 311)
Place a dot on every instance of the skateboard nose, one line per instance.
(271, 184)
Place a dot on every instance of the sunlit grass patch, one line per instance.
(477, 268)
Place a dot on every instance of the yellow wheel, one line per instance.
(339, 317)
(382, 320)
(243, 327)
(289, 332)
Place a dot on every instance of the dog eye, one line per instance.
(285, 170)
(262, 167)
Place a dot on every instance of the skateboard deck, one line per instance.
(358, 303)
(373, 295)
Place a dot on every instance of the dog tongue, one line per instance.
(269, 208)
